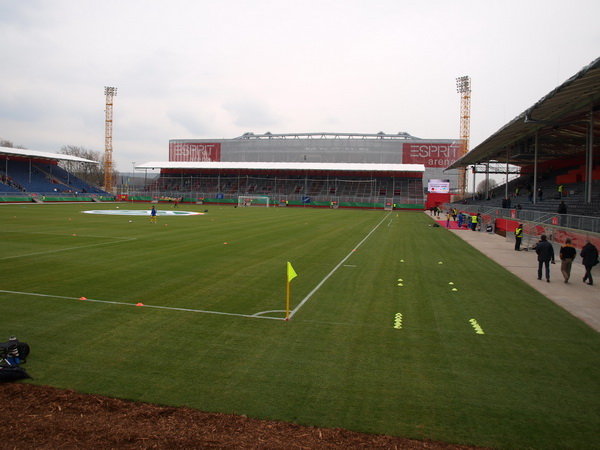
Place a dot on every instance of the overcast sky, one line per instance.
(204, 69)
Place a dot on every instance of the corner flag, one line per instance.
(291, 273)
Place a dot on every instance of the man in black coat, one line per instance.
(545, 255)
(589, 258)
(562, 208)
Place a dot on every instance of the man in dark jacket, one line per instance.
(567, 255)
(545, 255)
(589, 258)
(562, 208)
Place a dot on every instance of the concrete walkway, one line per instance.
(577, 297)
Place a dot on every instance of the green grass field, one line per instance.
(362, 350)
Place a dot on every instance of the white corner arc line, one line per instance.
(310, 294)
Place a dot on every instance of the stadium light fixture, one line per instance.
(463, 84)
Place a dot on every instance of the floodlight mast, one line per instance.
(109, 92)
(463, 87)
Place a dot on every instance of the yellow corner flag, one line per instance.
(291, 273)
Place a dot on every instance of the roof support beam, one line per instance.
(589, 158)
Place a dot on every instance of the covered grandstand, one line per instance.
(293, 184)
(31, 174)
(548, 154)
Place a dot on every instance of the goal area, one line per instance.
(253, 200)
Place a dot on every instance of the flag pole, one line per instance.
(287, 301)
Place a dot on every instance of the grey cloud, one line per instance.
(249, 114)
(190, 120)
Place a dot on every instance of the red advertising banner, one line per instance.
(194, 151)
(430, 154)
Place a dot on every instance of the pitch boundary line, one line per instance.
(170, 308)
(311, 293)
(45, 233)
(120, 240)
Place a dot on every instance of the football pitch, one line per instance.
(396, 327)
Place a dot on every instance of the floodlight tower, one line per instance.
(463, 87)
(110, 92)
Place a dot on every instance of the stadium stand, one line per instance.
(7, 186)
(349, 188)
(47, 179)
(573, 195)
(41, 179)
(552, 144)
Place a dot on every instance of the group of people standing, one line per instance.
(471, 222)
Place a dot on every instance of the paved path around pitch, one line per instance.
(577, 297)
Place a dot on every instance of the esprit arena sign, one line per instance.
(194, 151)
(429, 154)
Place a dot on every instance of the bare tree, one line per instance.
(481, 186)
(90, 173)
(9, 144)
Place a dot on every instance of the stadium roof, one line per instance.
(329, 135)
(561, 120)
(238, 165)
(24, 153)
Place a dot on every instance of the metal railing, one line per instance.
(276, 197)
(583, 223)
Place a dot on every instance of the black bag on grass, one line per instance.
(12, 373)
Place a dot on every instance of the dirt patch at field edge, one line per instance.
(43, 417)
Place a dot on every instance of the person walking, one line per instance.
(567, 255)
(518, 237)
(545, 256)
(589, 258)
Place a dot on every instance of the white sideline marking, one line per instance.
(171, 308)
(310, 294)
(70, 248)
(63, 234)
